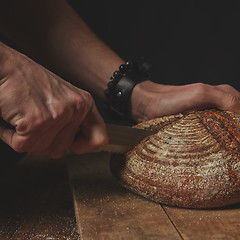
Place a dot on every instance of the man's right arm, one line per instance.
(46, 111)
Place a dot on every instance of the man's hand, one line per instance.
(150, 100)
(45, 110)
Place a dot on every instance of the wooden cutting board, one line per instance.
(105, 210)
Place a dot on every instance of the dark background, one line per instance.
(185, 41)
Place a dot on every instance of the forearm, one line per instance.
(53, 34)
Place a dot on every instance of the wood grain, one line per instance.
(105, 210)
(206, 224)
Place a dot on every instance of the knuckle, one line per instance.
(87, 96)
(200, 87)
(25, 126)
(79, 104)
(82, 102)
(200, 90)
(233, 100)
(30, 124)
(88, 99)
(226, 86)
(22, 125)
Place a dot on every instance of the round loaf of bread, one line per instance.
(193, 160)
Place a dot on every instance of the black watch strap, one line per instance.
(120, 87)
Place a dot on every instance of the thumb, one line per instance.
(93, 133)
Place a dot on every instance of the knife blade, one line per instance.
(123, 138)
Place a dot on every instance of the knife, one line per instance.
(123, 138)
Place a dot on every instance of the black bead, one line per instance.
(129, 64)
(115, 80)
(111, 85)
(107, 93)
(117, 74)
(123, 68)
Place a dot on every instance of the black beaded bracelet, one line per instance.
(122, 83)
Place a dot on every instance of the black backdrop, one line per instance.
(185, 41)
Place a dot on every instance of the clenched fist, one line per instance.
(46, 111)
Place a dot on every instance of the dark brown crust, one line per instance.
(193, 161)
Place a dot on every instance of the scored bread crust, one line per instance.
(192, 161)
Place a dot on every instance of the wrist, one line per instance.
(141, 100)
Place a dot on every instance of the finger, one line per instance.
(228, 89)
(8, 136)
(63, 140)
(229, 102)
(208, 96)
(94, 134)
(45, 138)
(35, 142)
